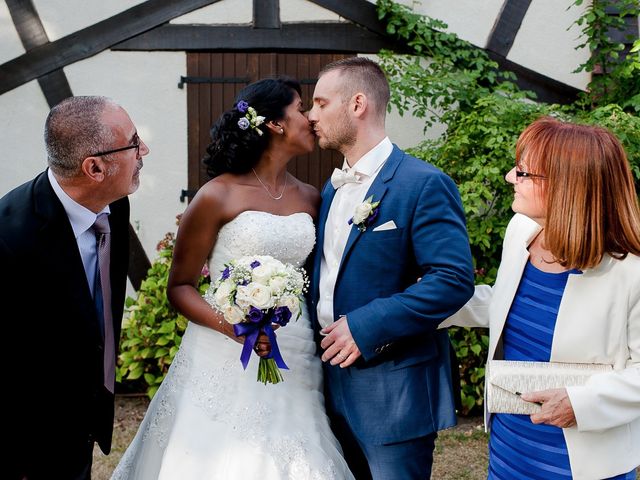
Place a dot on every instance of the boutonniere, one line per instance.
(365, 214)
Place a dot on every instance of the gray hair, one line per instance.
(360, 74)
(74, 129)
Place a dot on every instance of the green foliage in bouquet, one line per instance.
(447, 80)
(153, 329)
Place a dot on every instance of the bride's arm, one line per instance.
(196, 237)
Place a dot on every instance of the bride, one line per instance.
(211, 419)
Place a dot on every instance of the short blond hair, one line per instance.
(362, 75)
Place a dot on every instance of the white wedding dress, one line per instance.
(210, 419)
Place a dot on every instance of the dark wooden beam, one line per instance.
(54, 85)
(139, 263)
(361, 12)
(336, 37)
(547, 89)
(89, 41)
(507, 26)
(266, 13)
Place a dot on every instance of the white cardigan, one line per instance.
(598, 322)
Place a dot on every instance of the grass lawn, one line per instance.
(461, 452)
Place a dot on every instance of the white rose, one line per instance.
(255, 294)
(277, 285)
(233, 314)
(362, 212)
(262, 273)
(223, 292)
(292, 303)
(242, 298)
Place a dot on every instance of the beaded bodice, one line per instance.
(289, 238)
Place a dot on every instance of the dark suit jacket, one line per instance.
(57, 403)
(402, 379)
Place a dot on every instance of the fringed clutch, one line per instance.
(506, 380)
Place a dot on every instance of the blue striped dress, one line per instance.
(518, 449)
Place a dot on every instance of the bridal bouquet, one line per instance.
(253, 293)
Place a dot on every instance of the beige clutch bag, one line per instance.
(507, 379)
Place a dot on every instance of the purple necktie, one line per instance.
(103, 246)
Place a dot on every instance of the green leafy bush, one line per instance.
(450, 81)
(153, 329)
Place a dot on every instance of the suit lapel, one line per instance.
(59, 249)
(328, 192)
(377, 191)
(517, 260)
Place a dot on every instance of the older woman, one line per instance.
(568, 290)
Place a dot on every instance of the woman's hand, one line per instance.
(556, 407)
(262, 346)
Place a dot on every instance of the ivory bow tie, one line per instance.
(340, 177)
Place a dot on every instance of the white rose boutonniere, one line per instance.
(365, 214)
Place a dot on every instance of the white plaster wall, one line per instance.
(227, 11)
(145, 84)
(304, 11)
(545, 45)
(10, 45)
(62, 17)
(471, 20)
(22, 115)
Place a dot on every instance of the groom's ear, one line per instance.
(359, 104)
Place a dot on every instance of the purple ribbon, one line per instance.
(258, 322)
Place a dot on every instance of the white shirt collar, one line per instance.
(371, 161)
(81, 218)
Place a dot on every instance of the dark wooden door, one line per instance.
(214, 79)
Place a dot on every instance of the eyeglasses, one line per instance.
(521, 174)
(136, 145)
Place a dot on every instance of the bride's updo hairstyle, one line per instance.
(238, 140)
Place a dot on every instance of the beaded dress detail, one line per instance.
(210, 419)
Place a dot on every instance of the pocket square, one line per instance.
(390, 225)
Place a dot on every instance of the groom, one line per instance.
(392, 262)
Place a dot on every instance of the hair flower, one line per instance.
(242, 106)
(251, 118)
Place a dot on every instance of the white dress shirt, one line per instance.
(81, 219)
(337, 226)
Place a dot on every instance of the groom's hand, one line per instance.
(338, 344)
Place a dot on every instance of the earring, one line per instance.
(281, 131)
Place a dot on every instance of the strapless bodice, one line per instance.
(288, 238)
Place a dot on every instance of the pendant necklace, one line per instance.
(277, 197)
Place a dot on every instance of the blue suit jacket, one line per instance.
(400, 388)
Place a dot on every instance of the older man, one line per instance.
(64, 256)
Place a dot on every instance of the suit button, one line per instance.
(378, 350)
